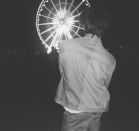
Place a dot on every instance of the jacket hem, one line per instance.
(82, 107)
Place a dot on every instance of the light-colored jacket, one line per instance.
(86, 70)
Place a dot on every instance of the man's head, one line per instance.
(95, 20)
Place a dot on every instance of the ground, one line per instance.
(27, 98)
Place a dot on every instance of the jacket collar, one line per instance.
(94, 38)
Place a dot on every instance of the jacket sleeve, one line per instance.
(110, 71)
(60, 64)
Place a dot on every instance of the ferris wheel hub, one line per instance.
(62, 21)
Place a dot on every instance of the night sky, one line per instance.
(18, 30)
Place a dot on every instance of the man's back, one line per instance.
(87, 68)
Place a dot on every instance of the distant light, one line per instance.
(121, 46)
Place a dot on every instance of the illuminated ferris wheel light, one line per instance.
(58, 22)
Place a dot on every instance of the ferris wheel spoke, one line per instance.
(69, 35)
(65, 4)
(71, 5)
(72, 20)
(57, 32)
(74, 16)
(47, 17)
(70, 23)
(50, 35)
(59, 4)
(66, 37)
(48, 30)
(56, 36)
(54, 6)
(73, 30)
(51, 12)
(52, 23)
(78, 27)
(77, 7)
(58, 40)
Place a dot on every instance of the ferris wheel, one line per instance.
(58, 20)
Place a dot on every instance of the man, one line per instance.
(86, 70)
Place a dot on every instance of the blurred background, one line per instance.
(29, 76)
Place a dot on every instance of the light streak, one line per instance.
(54, 6)
(60, 4)
(76, 7)
(71, 6)
(65, 4)
(48, 23)
(51, 12)
(47, 30)
(46, 17)
(50, 35)
(74, 16)
(74, 31)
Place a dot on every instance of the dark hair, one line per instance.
(95, 20)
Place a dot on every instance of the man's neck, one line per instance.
(91, 36)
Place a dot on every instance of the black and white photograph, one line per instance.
(69, 65)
